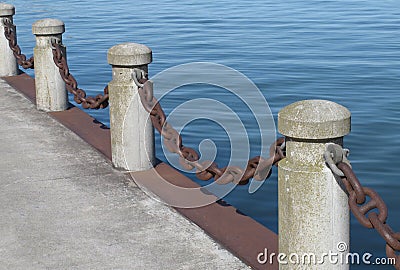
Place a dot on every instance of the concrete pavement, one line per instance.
(63, 206)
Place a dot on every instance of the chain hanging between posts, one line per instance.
(362, 208)
(9, 33)
(98, 102)
(257, 167)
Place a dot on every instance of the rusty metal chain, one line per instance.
(9, 33)
(258, 167)
(98, 102)
(361, 207)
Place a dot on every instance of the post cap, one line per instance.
(6, 10)
(129, 54)
(48, 27)
(314, 119)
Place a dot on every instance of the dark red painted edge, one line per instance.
(239, 233)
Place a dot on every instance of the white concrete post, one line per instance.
(51, 94)
(8, 63)
(132, 135)
(313, 208)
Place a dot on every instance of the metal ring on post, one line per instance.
(138, 75)
(136, 72)
(53, 42)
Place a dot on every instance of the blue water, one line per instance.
(344, 51)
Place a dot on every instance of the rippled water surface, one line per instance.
(344, 51)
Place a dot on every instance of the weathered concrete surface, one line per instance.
(51, 94)
(8, 63)
(63, 206)
(132, 135)
(314, 119)
(313, 209)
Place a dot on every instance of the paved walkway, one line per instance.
(63, 206)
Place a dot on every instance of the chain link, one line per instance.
(98, 102)
(362, 208)
(257, 167)
(9, 33)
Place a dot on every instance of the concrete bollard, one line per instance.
(51, 94)
(132, 135)
(8, 63)
(313, 208)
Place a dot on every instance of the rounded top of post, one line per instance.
(48, 27)
(6, 9)
(314, 119)
(129, 54)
